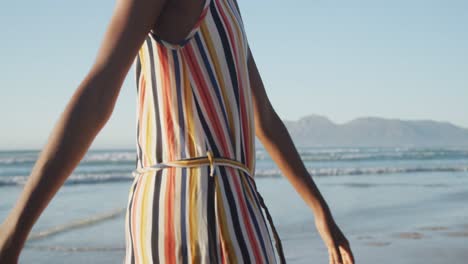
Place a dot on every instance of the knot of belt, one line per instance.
(209, 159)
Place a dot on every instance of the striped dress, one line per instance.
(194, 97)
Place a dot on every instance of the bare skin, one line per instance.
(92, 105)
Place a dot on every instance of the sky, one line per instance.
(405, 59)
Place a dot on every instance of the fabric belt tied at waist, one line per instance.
(210, 160)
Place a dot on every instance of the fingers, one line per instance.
(341, 255)
(334, 255)
(339, 250)
(331, 257)
(347, 254)
(345, 249)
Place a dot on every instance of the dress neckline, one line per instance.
(189, 36)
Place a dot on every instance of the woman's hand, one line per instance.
(9, 249)
(338, 246)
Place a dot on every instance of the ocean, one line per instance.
(405, 204)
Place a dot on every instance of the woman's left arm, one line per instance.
(272, 132)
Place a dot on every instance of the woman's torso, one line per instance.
(195, 95)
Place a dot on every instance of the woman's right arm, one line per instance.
(85, 115)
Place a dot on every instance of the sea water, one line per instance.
(376, 196)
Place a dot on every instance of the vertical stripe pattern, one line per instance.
(195, 96)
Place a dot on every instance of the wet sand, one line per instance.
(418, 218)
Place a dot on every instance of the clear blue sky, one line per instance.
(342, 59)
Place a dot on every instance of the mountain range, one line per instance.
(319, 131)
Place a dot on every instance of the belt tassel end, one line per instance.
(210, 158)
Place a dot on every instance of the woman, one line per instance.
(201, 102)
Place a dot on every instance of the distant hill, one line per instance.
(319, 131)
